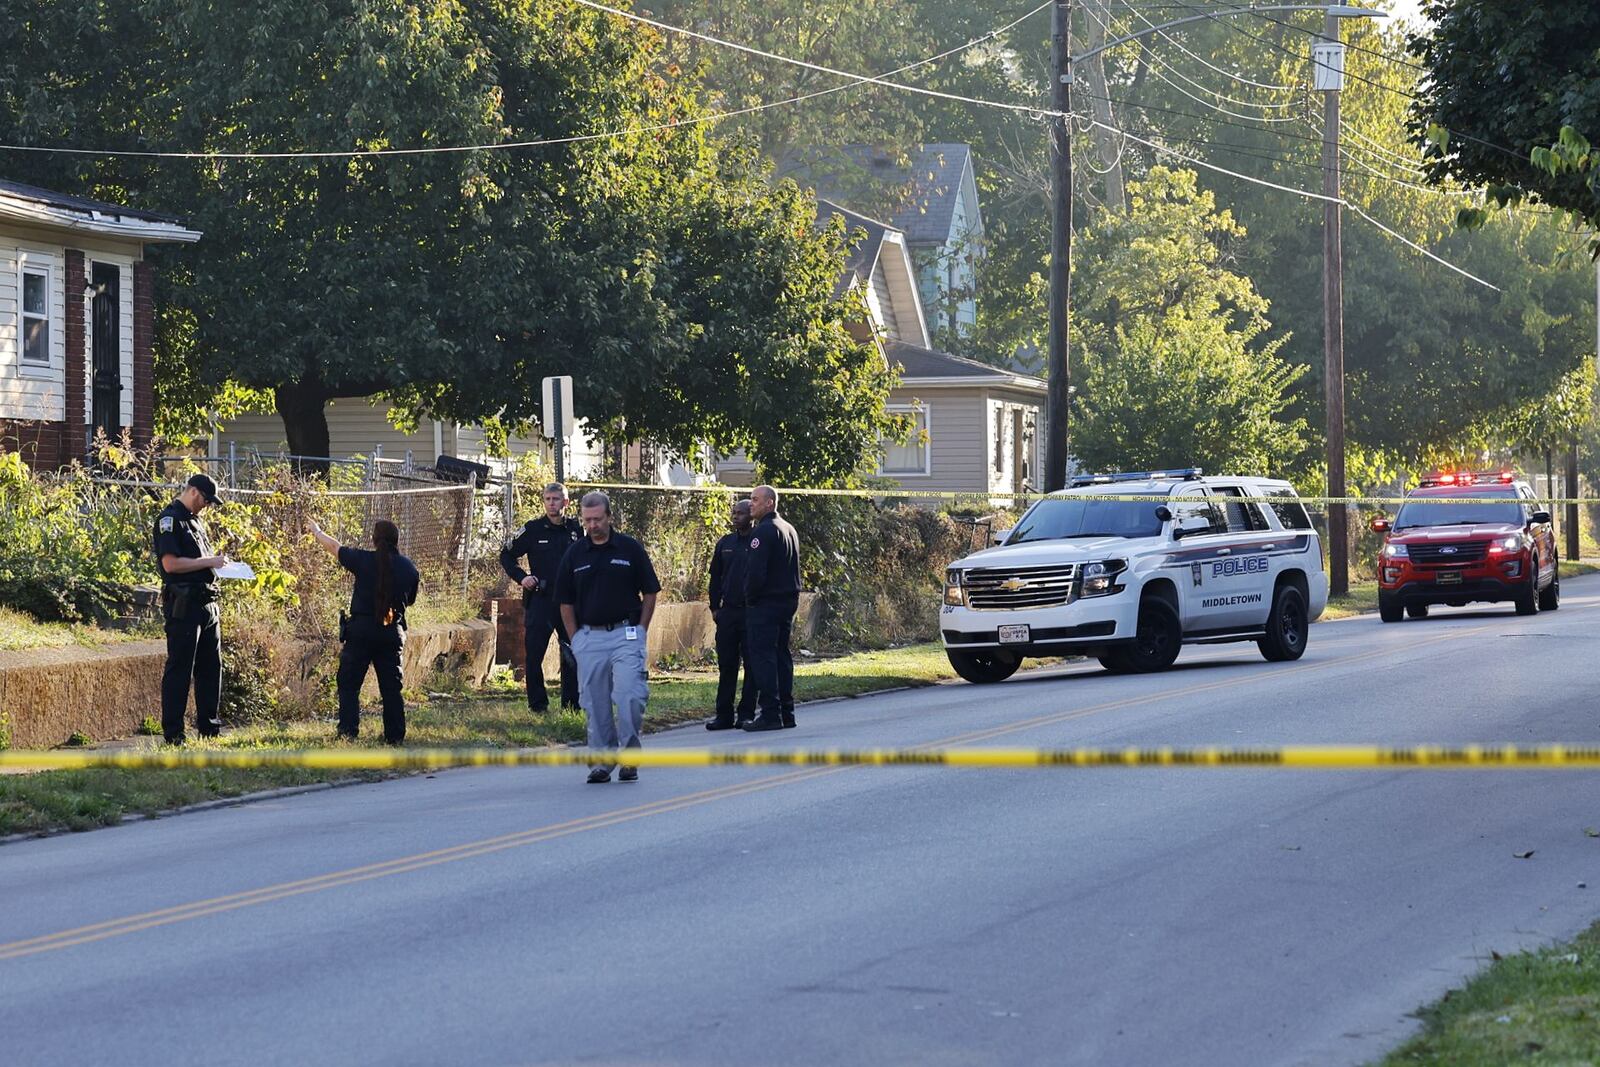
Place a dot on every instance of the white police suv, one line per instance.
(1104, 570)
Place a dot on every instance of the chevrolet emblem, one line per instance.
(1013, 585)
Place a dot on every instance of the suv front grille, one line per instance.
(1455, 552)
(1015, 588)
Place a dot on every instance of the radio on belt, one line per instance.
(1129, 567)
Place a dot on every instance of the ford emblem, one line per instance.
(1447, 550)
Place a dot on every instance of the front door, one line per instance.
(105, 350)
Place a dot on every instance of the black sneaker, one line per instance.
(628, 774)
(599, 776)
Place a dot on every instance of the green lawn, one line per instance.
(20, 632)
(1535, 1008)
(83, 800)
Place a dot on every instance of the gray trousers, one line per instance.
(611, 670)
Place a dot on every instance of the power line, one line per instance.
(630, 16)
(1241, 79)
(1407, 241)
(697, 120)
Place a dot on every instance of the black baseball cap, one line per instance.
(207, 487)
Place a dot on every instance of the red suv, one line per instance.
(1461, 537)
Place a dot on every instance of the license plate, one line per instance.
(1015, 635)
(1448, 578)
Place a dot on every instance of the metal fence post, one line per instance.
(233, 459)
(466, 535)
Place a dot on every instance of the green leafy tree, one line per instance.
(686, 295)
(1510, 91)
(1173, 370)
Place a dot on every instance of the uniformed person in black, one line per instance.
(375, 633)
(189, 605)
(772, 596)
(544, 541)
(607, 590)
(726, 601)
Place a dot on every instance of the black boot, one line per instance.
(761, 723)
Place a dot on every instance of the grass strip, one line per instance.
(83, 800)
(1538, 1007)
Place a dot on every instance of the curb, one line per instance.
(205, 805)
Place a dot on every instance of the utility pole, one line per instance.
(1057, 361)
(1327, 59)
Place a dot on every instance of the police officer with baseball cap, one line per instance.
(189, 603)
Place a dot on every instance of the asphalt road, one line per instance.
(910, 915)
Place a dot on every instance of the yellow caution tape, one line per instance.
(1307, 757)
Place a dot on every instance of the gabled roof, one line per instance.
(928, 185)
(45, 207)
(864, 257)
(924, 366)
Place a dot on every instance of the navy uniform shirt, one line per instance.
(774, 564)
(179, 532)
(403, 583)
(544, 543)
(603, 583)
(728, 564)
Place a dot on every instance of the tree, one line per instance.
(451, 281)
(1503, 83)
(1171, 370)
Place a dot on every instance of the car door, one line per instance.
(1247, 557)
(1204, 596)
(1542, 533)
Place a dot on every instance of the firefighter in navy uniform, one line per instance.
(726, 601)
(772, 596)
(544, 541)
(189, 605)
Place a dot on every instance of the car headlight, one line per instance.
(1394, 551)
(1511, 544)
(952, 588)
(1099, 579)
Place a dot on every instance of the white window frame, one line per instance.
(29, 263)
(925, 411)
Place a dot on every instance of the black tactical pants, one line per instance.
(541, 617)
(769, 624)
(366, 645)
(194, 654)
(732, 653)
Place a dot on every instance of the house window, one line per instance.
(33, 333)
(913, 456)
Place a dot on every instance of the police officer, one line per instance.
(727, 608)
(772, 596)
(544, 541)
(607, 588)
(189, 604)
(375, 633)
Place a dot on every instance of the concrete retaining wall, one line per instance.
(678, 629)
(48, 694)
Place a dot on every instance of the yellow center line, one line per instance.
(405, 864)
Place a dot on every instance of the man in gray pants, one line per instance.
(607, 588)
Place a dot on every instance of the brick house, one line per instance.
(77, 321)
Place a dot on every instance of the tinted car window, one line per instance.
(1286, 505)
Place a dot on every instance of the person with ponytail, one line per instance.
(375, 633)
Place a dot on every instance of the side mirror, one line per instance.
(1541, 516)
(998, 537)
(1163, 513)
(1380, 525)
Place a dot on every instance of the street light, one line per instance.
(1328, 62)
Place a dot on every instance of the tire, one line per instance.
(1158, 639)
(1527, 600)
(1287, 626)
(984, 668)
(1390, 609)
(1417, 611)
(1115, 663)
(1550, 597)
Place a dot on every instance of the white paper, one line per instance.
(236, 569)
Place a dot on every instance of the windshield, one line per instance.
(1438, 512)
(1066, 516)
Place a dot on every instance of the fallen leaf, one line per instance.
(1590, 831)
(1523, 855)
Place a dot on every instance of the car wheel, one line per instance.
(1527, 598)
(1115, 663)
(1287, 626)
(985, 667)
(1417, 611)
(1390, 608)
(1159, 637)
(1550, 597)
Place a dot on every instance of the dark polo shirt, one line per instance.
(604, 582)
